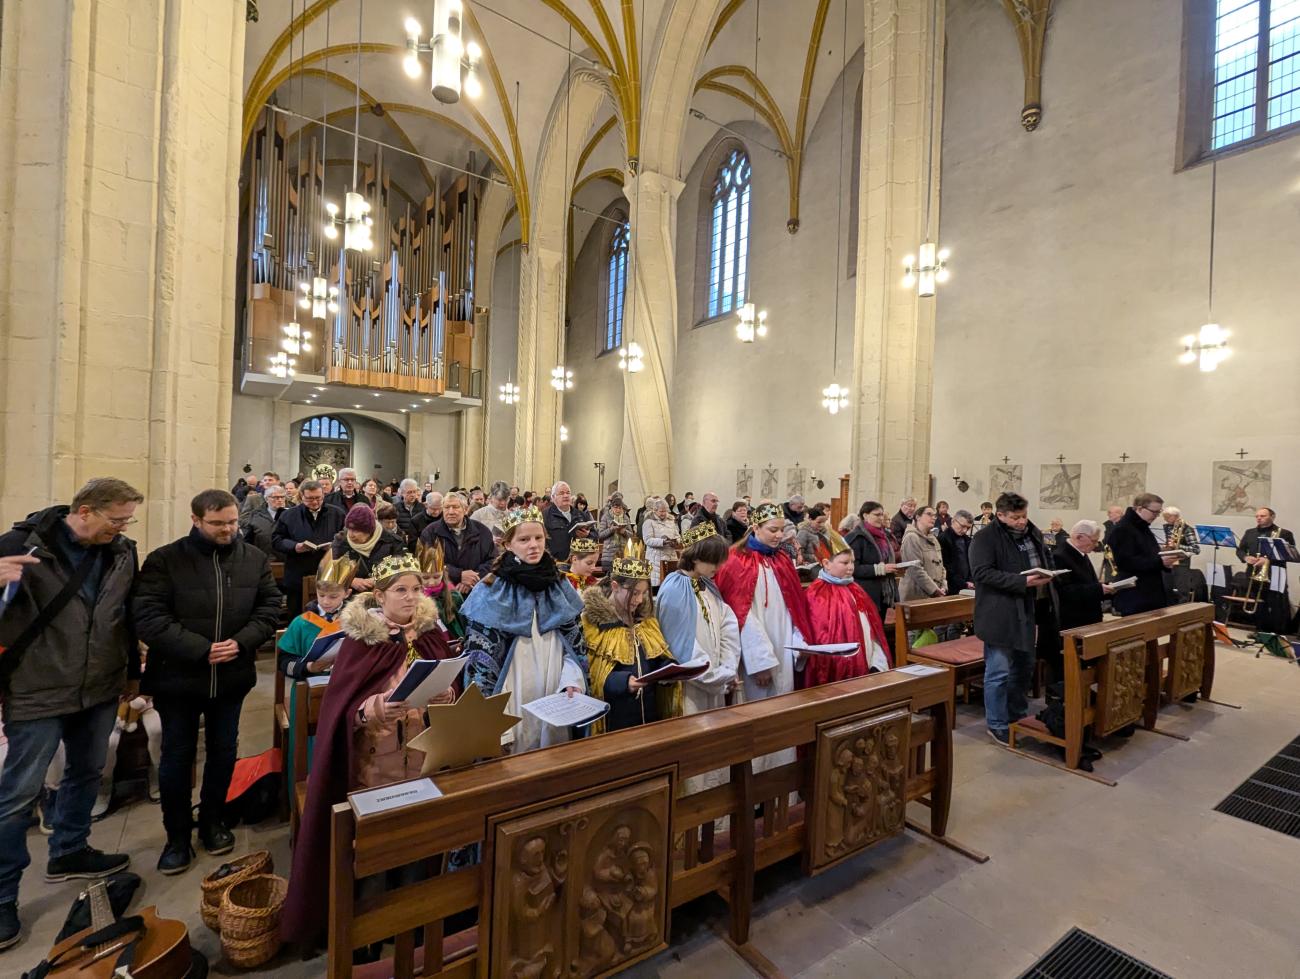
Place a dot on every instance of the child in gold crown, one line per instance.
(584, 561)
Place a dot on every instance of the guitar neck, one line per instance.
(101, 910)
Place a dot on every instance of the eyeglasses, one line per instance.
(1155, 511)
(222, 523)
(117, 523)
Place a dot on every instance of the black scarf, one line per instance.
(535, 577)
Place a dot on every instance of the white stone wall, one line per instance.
(503, 342)
(1079, 259)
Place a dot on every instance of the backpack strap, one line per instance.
(11, 655)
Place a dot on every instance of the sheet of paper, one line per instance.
(827, 649)
(1121, 583)
(1277, 578)
(318, 681)
(561, 710)
(919, 669)
(427, 678)
(1218, 579)
(396, 796)
(906, 564)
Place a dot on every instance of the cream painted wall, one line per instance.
(1079, 258)
(503, 344)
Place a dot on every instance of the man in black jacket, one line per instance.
(1008, 608)
(708, 513)
(300, 534)
(430, 511)
(203, 606)
(1274, 612)
(1080, 593)
(408, 508)
(63, 684)
(954, 542)
(1137, 554)
(347, 493)
(467, 545)
(558, 519)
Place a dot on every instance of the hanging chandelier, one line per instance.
(282, 364)
(1208, 347)
(629, 358)
(752, 324)
(509, 393)
(930, 265)
(564, 433)
(834, 398)
(454, 64)
(295, 339)
(562, 378)
(319, 296)
(355, 222)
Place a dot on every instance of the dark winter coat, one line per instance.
(345, 503)
(880, 586)
(388, 545)
(703, 516)
(406, 521)
(297, 524)
(956, 559)
(1004, 604)
(558, 529)
(1079, 591)
(85, 655)
(474, 551)
(191, 594)
(1137, 553)
(257, 531)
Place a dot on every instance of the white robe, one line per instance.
(717, 639)
(538, 668)
(768, 630)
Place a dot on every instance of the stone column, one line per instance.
(542, 277)
(894, 330)
(119, 167)
(649, 319)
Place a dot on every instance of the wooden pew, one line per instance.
(584, 792)
(963, 658)
(1118, 673)
(305, 717)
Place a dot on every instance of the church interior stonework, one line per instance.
(664, 488)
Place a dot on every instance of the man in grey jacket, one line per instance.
(62, 675)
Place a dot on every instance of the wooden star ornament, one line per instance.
(462, 732)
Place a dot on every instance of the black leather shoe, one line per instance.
(87, 864)
(10, 927)
(216, 839)
(176, 857)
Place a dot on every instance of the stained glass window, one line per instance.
(729, 235)
(617, 287)
(325, 427)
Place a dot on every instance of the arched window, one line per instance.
(325, 428)
(616, 287)
(729, 234)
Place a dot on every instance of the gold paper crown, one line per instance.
(335, 571)
(430, 557)
(632, 563)
(764, 512)
(325, 471)
(394, 565)
(837, 543)
(698, 533)
(528, 514)
(584, 545)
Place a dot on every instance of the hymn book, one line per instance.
(677, 671)
(325, 648)
(828, 649)
(425, 679)
(1045, 573)
(1123, 583)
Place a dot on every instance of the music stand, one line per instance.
(1278, 550)
(1216, 537)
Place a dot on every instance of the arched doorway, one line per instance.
(324, 439)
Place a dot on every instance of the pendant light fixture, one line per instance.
(630, 358)
(929, 266)
(509, 393)
(561, 376)
(319, 296)
(752, 322)
(356, 220)
(1208, 347)
(453, 63)
(835, 397)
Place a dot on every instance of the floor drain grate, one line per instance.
(1082, 956)
(1270, 797)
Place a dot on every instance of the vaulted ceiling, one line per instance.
(774, 62)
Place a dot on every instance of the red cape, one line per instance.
(738, 576)
(834, 610)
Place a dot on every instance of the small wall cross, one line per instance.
(1123, 457)
(1005, 460)
(1060, 458)
(1241, 453)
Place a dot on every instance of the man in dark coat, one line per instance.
(1008, 609)
(63, 685)
(1080, 592)
(430, 511)
(708, 513)
(1273, 613)
(203, 606)
(347, 493)
(898, 525)
(467, 545)
(559, 519)
(1137, 554)
(408, 508)
(954, 542)
(299, 535)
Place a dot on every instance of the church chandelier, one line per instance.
(630, 358)
(453, 62)
(928, 268)
(318, 296)
(562, 378)
(752, 323)
(1208, 347)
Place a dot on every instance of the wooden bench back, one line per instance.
(580, 794)
(309, 699)
(925, 613)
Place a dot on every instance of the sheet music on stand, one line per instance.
(1215, 536)
(1278, 550)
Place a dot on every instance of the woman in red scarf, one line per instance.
(841, 612)
(361, 737)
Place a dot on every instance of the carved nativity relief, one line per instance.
(860, 785)
(1187, 664)
(1121, 686)
(579, 889)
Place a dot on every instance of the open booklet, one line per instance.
(828, 649)
(1056, 573)
(677, 671)
(313, 546)
(561, 710)
(325, 648)
(425, 679)
(906, 564)
(1123, 583)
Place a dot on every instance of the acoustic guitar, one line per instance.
(139, 946)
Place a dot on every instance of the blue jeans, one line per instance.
(1008, 674)
(31, 746)
(180, 745)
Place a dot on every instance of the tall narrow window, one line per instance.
(729, 235)
(616, 287)
(1256, 70)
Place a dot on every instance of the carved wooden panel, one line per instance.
(1187, 661)
(1121, 685)
(578, 889)
(859, 783)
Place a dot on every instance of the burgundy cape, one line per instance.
(834, 610)
(359, 672)
(738, 576)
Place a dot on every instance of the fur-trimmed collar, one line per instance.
(599, 609)
(361, 620)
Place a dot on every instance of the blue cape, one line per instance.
(677, 609)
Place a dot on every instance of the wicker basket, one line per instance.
(251, 908)
(214, 888)
(252, 952)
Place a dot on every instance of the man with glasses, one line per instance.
(69, 657)
(1136, 554)
(954, 541)
(300, 534)
(203, 606)
(347, 493)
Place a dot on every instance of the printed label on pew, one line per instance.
(391, 797)
(919, 669)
